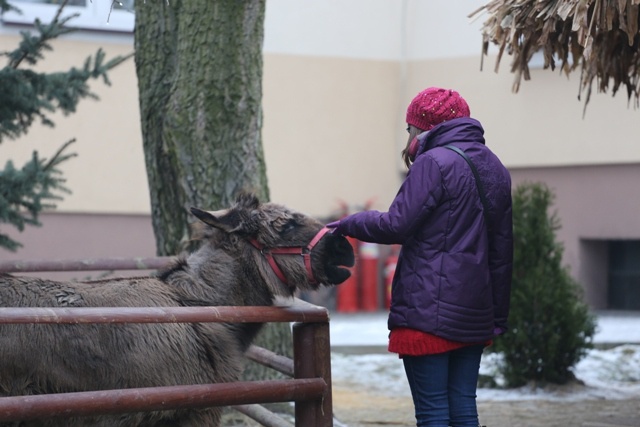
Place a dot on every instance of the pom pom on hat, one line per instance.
(435, 105)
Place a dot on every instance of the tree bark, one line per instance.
(199, 67)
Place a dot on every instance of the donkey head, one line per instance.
(286, 238)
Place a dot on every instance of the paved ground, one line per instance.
(357, 408)
(357, 404)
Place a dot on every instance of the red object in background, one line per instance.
(368, 273)
(350, 294)
(389, 271)
(347, 293)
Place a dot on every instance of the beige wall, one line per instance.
(330, 132)
(333, 127)
(335, 91)
(543, 124)
(108, 176)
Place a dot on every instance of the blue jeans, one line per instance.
(443, 387)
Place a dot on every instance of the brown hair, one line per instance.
(413, 133)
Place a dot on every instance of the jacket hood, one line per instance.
(463, 129)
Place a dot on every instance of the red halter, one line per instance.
(292, 250)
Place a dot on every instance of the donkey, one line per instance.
(237, 264)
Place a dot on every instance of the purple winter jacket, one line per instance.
(451, 279)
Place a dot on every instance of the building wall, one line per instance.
(84, 236)
(594, 204)
(330, 132)
(337, 79)
(108, 175)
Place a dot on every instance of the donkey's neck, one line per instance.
(224, 279)
(228, 279)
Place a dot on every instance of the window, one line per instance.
(624, 274)
(105, 15)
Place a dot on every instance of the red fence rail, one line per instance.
(97, 264)
(310, 387)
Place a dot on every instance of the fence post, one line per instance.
(312, 359)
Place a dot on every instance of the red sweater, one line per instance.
(411, 342)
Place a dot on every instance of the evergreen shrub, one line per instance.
(550, 327)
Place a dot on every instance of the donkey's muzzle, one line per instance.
(339, 256)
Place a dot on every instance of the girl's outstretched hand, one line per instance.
(334, 227)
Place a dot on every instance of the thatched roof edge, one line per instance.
(601, 37)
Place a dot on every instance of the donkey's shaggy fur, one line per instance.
(226, 271)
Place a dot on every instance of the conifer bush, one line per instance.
(550, 327)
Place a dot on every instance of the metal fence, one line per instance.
(309, 370)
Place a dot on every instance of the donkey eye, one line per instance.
(288, 226)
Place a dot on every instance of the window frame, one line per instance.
(95, 15)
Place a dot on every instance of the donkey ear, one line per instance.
(223, 219)
(247, 200)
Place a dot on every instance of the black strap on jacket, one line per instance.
(483, 197)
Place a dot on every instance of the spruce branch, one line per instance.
(26, 96)
(25, 192)
(5, 7)
(31, 47)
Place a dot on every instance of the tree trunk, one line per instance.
(199, 67)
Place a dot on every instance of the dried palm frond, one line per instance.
(599, 36)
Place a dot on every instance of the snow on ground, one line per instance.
(607, 373)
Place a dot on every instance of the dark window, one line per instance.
(624, 274)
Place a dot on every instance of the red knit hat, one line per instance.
(434, 105)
